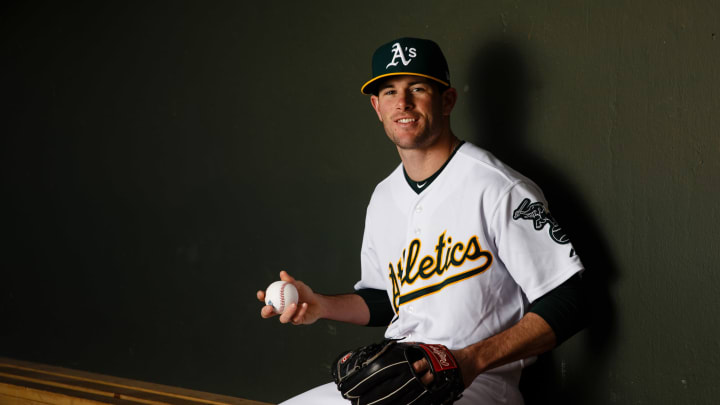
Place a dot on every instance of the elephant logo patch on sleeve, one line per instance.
(540, 216)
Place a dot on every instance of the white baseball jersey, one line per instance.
(460, 262)
(462, 259)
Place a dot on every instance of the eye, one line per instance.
(389, 92)
(418, 89)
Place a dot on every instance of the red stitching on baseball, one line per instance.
(282, 297)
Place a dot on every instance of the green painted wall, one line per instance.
(161, 161)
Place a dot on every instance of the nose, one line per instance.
(405, 101)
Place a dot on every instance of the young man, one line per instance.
(458, 248)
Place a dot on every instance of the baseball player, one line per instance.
(458, 248)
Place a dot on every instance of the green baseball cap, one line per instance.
(408, 56)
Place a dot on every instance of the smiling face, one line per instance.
(414, 113)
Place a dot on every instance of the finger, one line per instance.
(298, 319)
(267, 311)
(427, 378)
(422, 370)
(284, 276)
(288, 314)
(421, 366)
(261, 296)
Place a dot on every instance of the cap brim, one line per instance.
(368, 87)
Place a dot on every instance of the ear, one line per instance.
(375, 101)
(449, 97)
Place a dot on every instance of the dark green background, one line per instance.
(162, 161)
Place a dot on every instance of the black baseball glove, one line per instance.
(382, 374)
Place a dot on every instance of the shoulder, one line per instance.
(389, 183)
(478, 164)
(386, 188)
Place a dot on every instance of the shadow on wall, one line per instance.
(500, 103)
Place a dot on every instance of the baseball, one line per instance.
(280, 294)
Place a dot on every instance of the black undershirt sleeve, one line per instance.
(381, 312)
(564, 308)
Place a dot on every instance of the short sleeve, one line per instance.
(371, 275)
(533, 246)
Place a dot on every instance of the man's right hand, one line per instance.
(306, 311)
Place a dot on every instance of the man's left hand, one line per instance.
(466, 362)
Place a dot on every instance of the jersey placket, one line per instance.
(417, 229)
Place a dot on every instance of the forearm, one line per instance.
(552, 319)
(349, 308)
(529, 337)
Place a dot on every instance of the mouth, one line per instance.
(406, 120)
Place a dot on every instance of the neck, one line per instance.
(422, 163)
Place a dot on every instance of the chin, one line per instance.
(411, 143)
(406, 139)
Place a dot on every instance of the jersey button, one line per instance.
(417, 231)
(418, 209)
(411, 309)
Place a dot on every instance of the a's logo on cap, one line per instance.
(398, 53)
